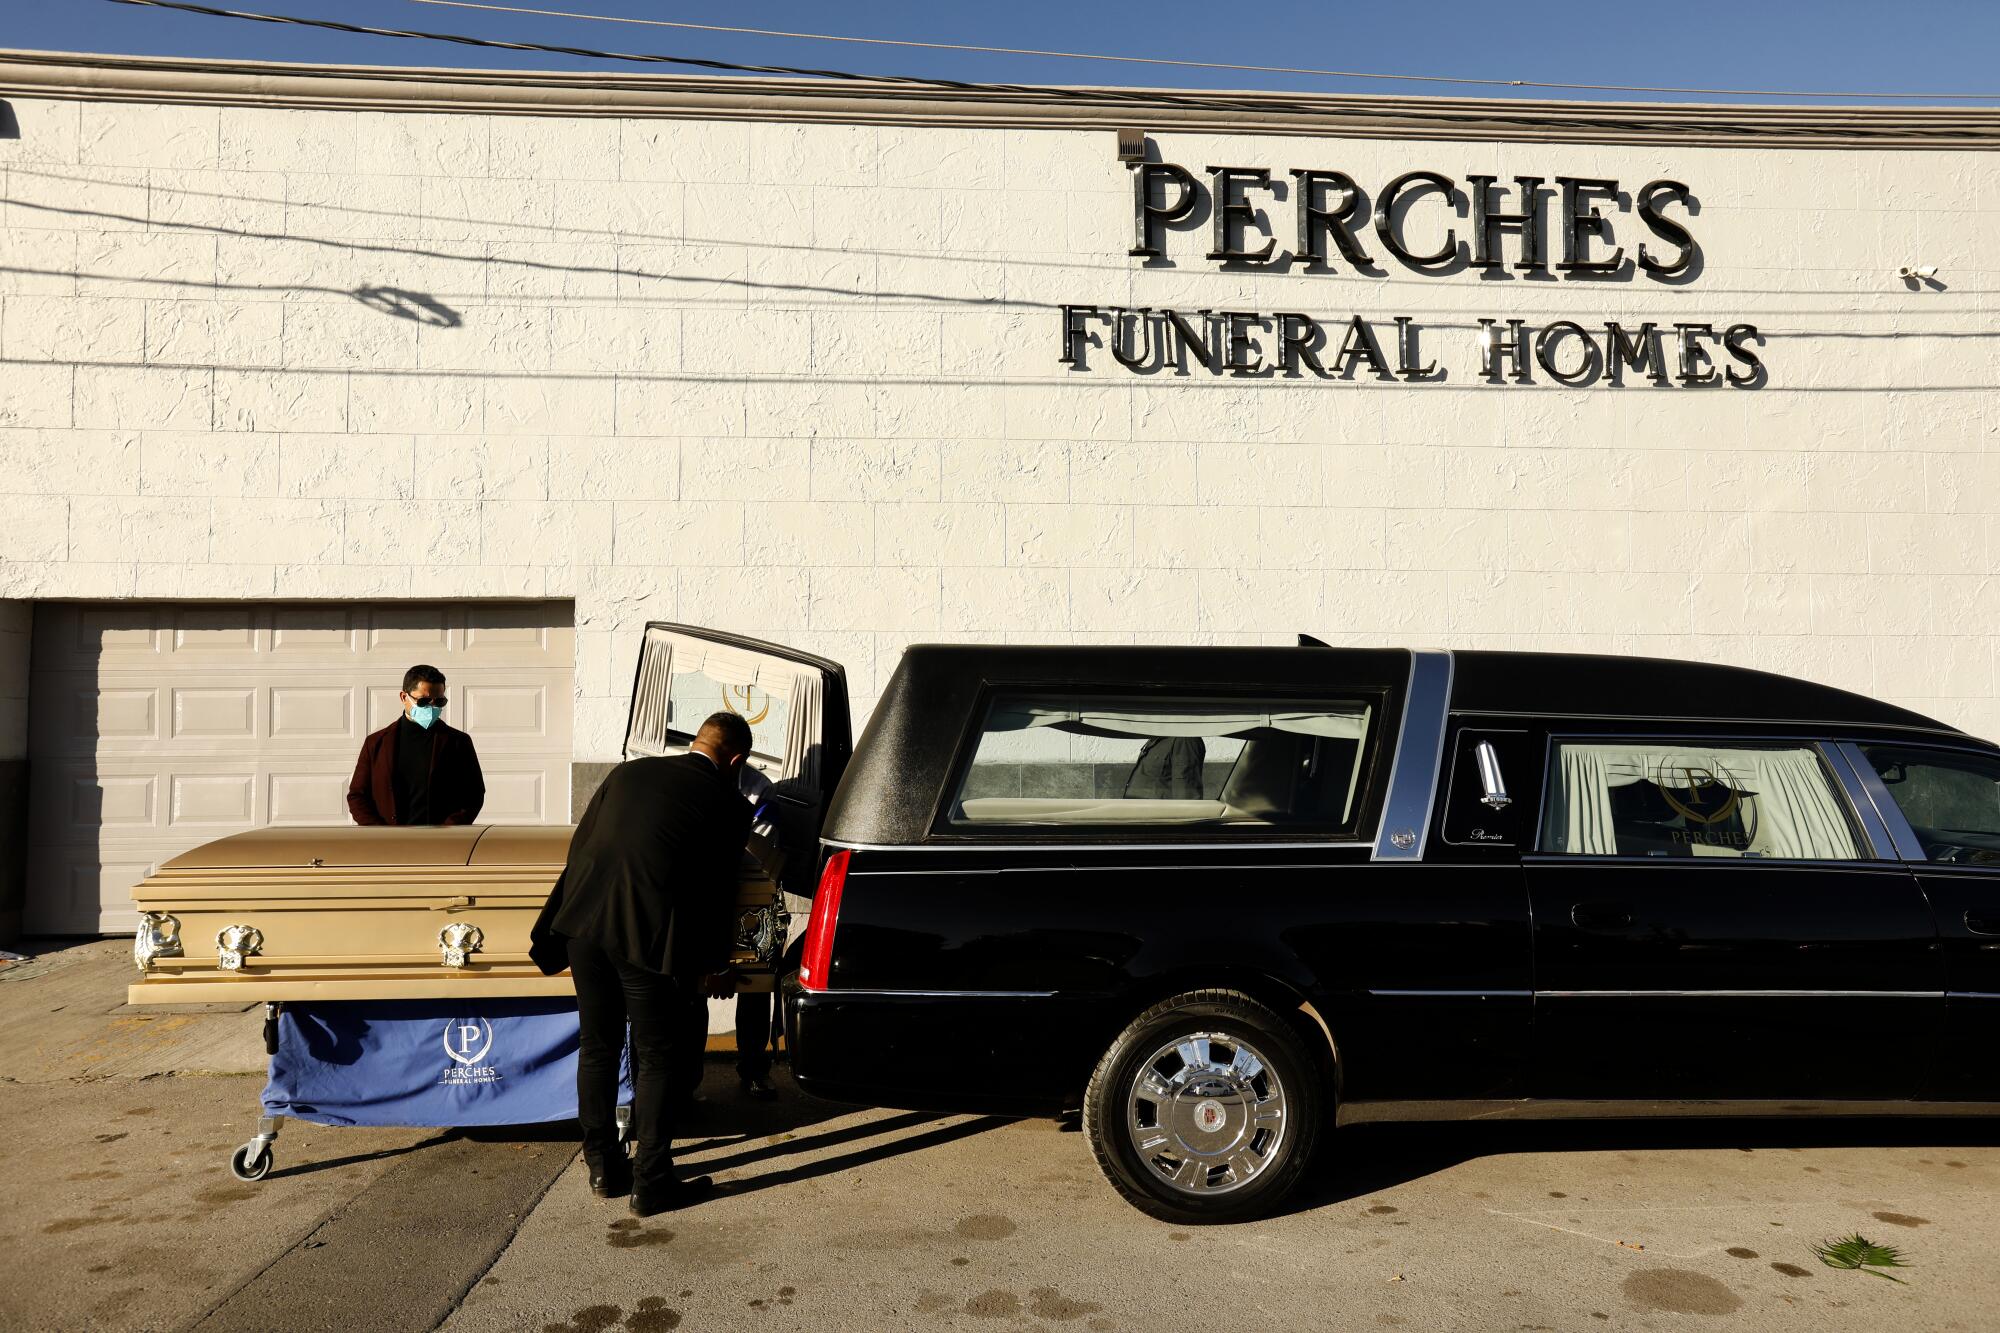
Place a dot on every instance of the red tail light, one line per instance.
(818, 957)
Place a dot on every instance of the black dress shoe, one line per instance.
(610, 1179)
(666, 1198)
(759, 1089)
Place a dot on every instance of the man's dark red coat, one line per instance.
(458, 788)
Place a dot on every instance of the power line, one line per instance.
(1188, 64)
(989, 50)
(1102, 96)
(1139, 99)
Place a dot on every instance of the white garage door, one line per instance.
(155, 727)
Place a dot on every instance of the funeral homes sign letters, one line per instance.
(1600, 230)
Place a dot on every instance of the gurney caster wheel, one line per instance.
(251, 1162)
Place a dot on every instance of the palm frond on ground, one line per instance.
(1860, 1254)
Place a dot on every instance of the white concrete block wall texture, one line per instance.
(800, 381)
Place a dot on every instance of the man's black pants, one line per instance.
(755, 1034)
(610, 994)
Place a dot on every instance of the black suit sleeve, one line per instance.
(547, 950)
(732, 824)
(470, 786)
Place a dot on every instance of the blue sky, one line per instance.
(1945, 46)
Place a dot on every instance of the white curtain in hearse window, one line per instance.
(1646, 799)
(682, 681)
(1348, 722)
(1122, 762)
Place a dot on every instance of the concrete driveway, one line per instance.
(122, 1215)
(880, 1220)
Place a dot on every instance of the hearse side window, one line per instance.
(1951, 800)
(1109, 761)
(1644, 798)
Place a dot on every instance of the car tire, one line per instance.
(1205, 1109)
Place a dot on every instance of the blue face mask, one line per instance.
(424, 714)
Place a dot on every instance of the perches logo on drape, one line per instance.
(468, 1041)
(1716, 814)
(741, 700)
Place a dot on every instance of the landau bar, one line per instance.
(1331, 204)
(1232, 342)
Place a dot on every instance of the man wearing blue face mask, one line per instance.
(417, 770)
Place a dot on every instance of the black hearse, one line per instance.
(1222, 899)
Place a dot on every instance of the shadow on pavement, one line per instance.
(1359, 1160)
(721, 1114)
(932, 1138)
(814, 1142)
(725, 1120)
(555, 1131)
(353, 1159)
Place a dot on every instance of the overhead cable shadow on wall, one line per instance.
(1221, 383)
(422, 307)
(1456, 264)
(426, 309)
(405, 304)
(535, 231)
(1283, 263)
(509, 261)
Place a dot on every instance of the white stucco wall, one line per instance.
(801, 382)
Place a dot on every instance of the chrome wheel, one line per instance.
(1206, 1113)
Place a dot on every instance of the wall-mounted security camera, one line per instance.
(1913, 272)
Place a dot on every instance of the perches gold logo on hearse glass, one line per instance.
(1712, 810)
(1607, 233)
(742, 701)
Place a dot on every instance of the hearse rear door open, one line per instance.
(796, 705)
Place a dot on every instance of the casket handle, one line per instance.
(452, 904)
(458, 941)
(233, 944)
(159, 936)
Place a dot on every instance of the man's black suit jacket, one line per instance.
(652, 871)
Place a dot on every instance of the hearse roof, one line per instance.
(1586, 685)
(903, 758)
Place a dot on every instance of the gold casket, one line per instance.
(431, 913)
(381, 914)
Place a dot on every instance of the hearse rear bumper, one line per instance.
(967, 1052)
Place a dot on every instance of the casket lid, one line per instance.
(523, 845)
(344, 846)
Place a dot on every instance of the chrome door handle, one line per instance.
(1981, 925)
(1491, 781)
(1599, 916)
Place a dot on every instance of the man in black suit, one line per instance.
(641, 917)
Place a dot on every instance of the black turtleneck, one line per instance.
(413, 773)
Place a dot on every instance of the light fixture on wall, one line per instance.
(1131, 145)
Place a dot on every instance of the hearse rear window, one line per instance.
(1643, 798)
(1125, 762)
